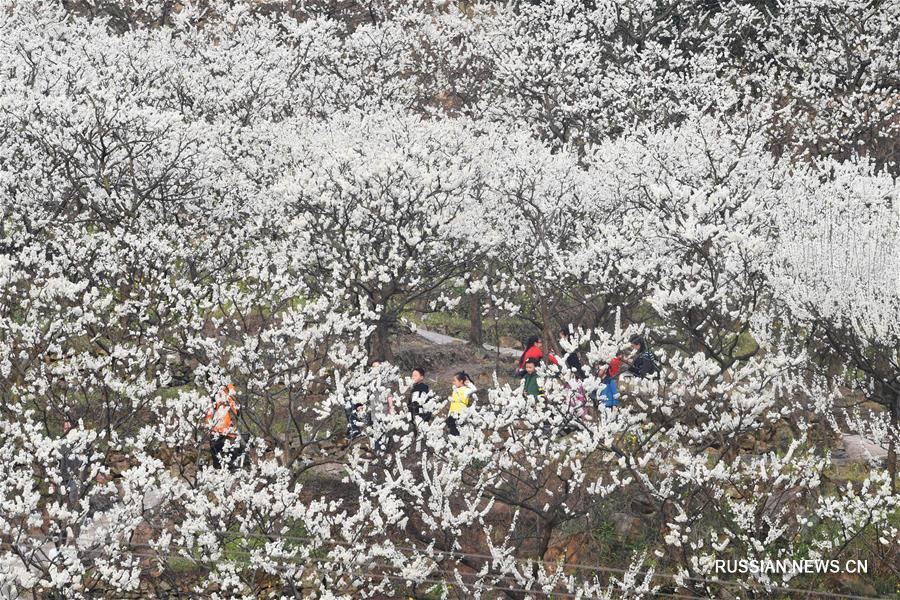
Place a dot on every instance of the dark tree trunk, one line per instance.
(892, 443)
(550, 341)
(380, 342)
(476, 328)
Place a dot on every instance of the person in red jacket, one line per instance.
(534, 348)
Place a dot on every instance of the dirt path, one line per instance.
(440, 339)
(857, 447)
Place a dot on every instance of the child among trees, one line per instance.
(419, 395)
(463, 395)
(531, 387)
(609, 374)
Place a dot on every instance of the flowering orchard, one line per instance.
(265, 194)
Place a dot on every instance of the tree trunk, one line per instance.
(550, 341)
(892, 443)
(380, 342)
(476, 329)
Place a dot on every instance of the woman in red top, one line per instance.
(534, 348)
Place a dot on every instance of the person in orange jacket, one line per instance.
(222, 426)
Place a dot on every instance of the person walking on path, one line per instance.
(531, 387)
(534, 393)
(221, 419)
(534, 349)
(463, 395)
(643, 363)
(573, 362)
(577, 395)
(609, 374)
(419, 395)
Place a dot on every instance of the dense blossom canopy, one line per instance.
(262, 193)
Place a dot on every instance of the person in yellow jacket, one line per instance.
(222, 426)
(463, 395)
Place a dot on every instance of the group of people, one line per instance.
(640, 363)
(382, 399)
(367, 413)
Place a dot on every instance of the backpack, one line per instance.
(648, 364)
(645, 365)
